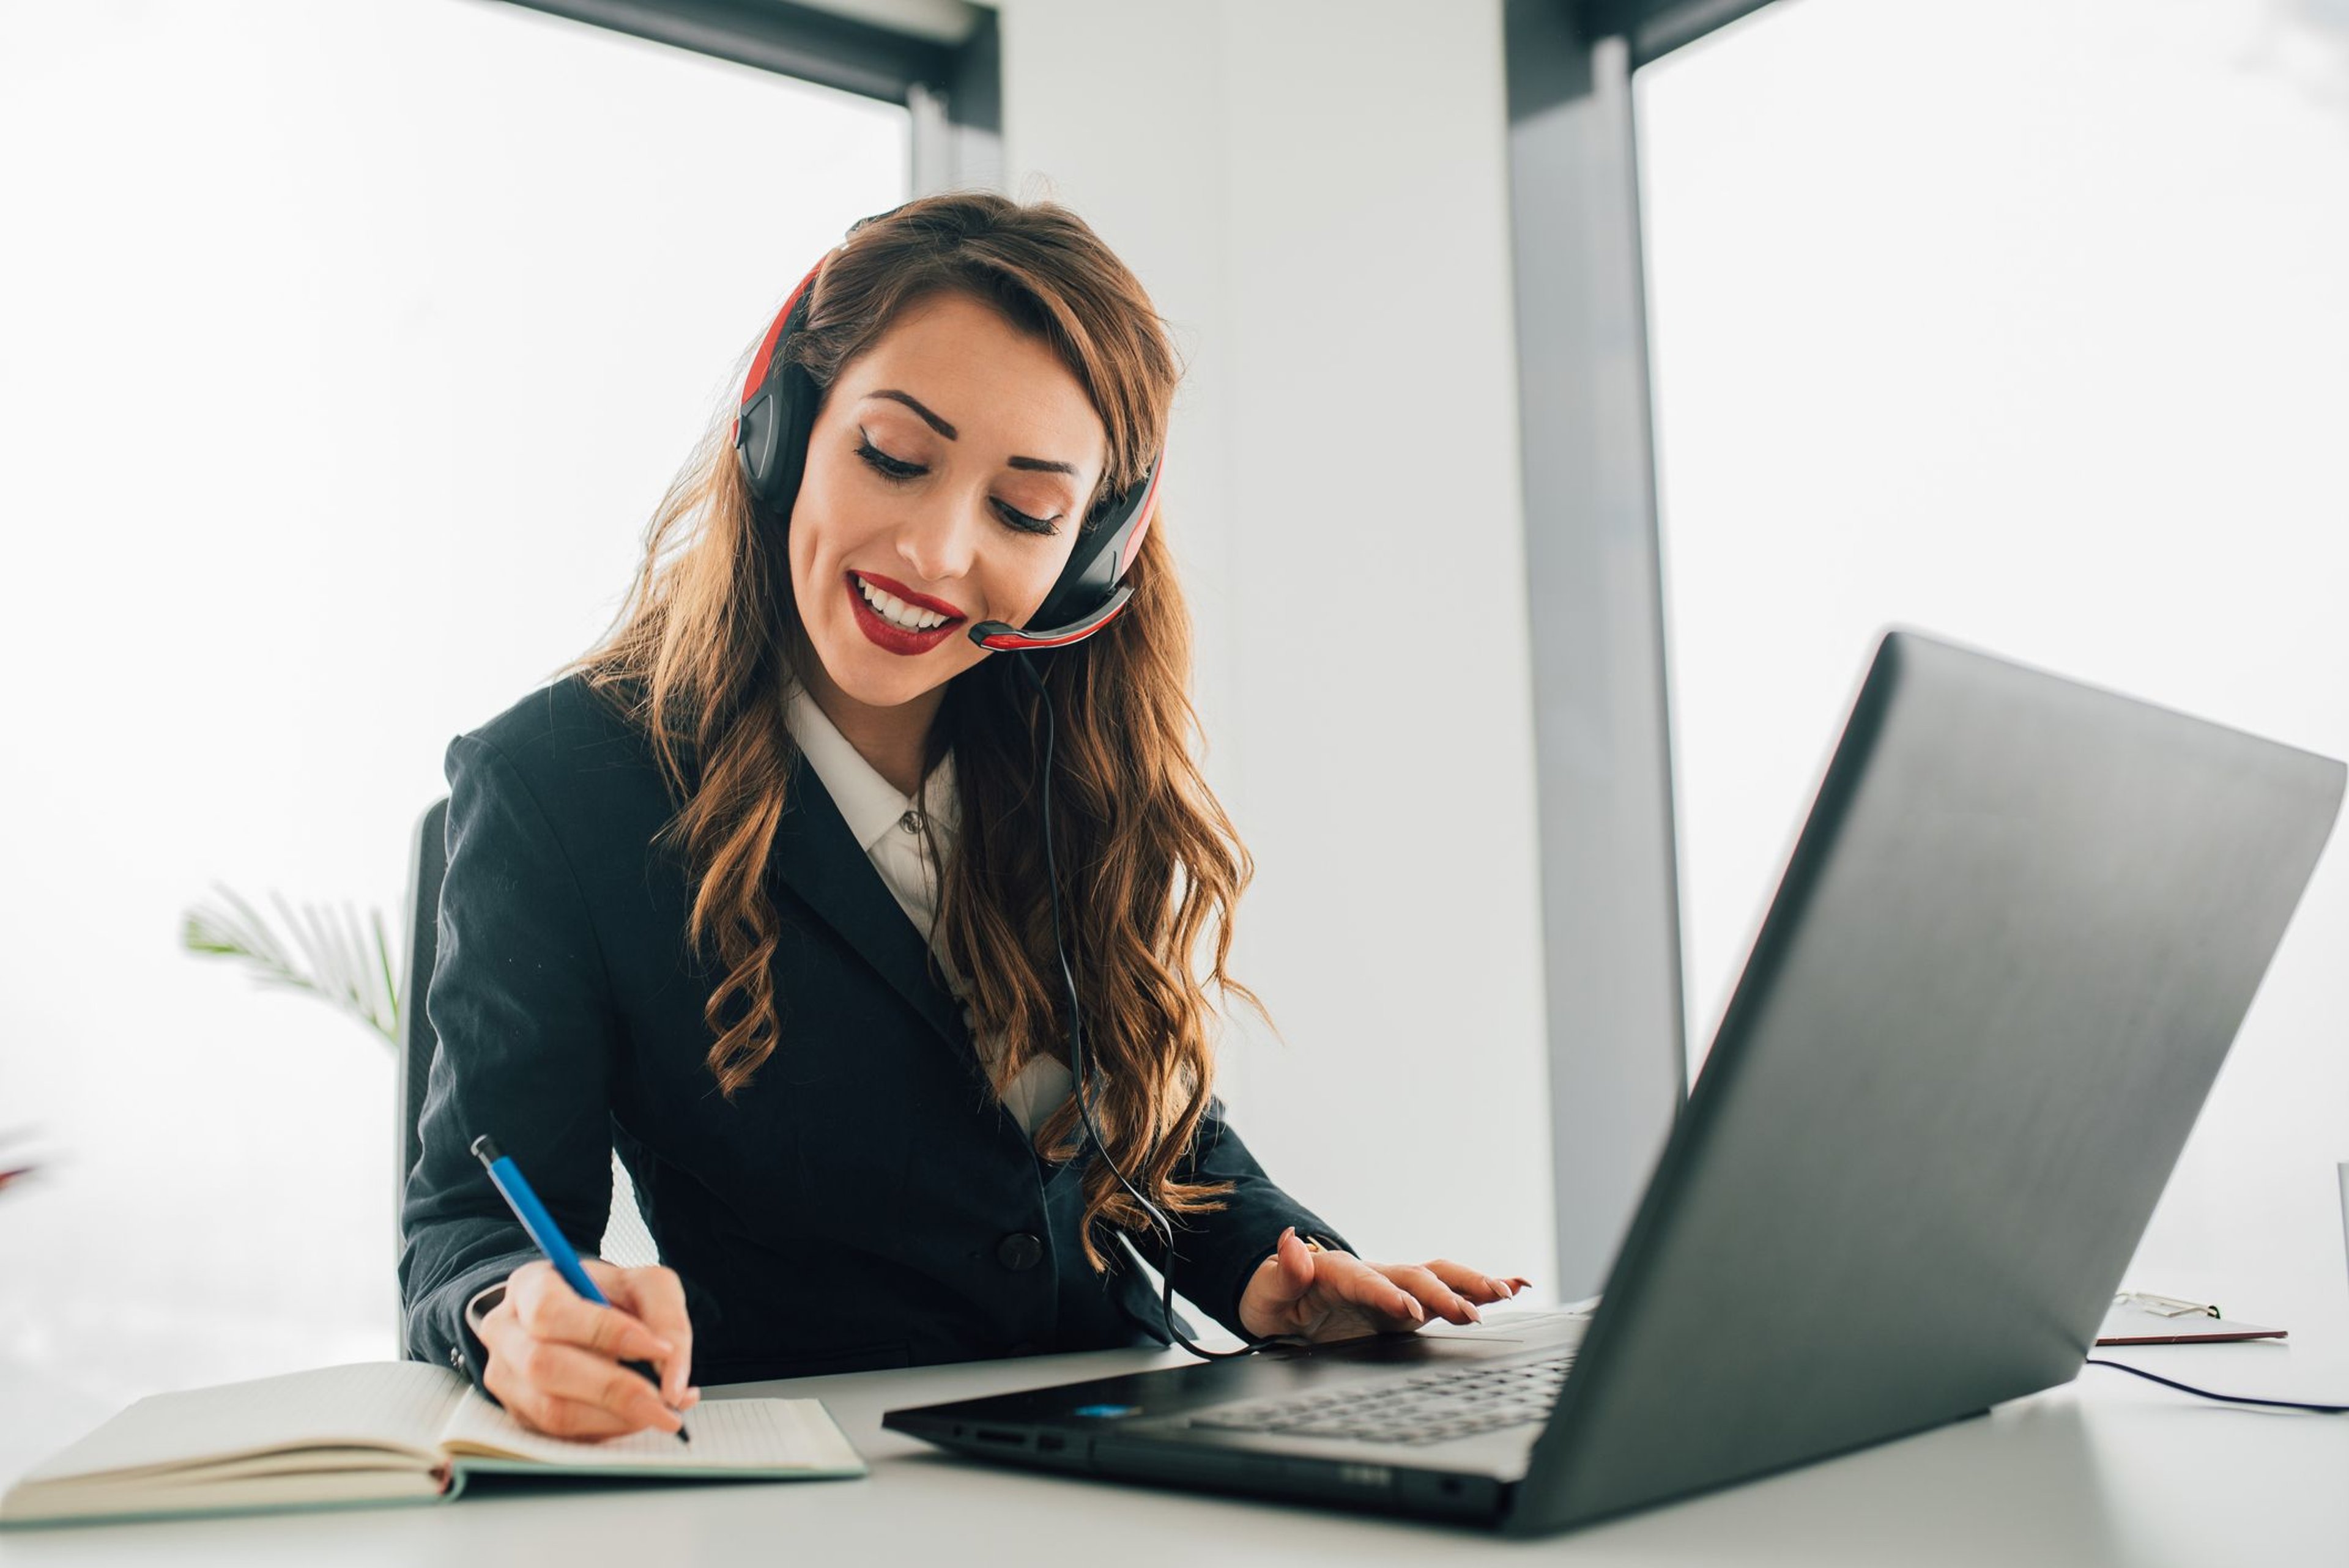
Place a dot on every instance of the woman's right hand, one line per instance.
(555, 1357)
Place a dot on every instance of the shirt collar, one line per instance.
(868, 803)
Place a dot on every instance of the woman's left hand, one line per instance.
(1323, 1295)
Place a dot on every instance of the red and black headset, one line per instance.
(771, 441)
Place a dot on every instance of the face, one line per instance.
(947, 474)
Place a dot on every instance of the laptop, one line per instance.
(2006, 957)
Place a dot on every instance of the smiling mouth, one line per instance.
(907, 614)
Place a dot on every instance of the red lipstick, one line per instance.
(919, 601)
(882, 633)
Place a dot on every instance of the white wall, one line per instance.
(349, 348)
(2023, 320)
(1316, 196)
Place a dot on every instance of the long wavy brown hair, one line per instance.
(702, 655)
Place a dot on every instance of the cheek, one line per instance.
(1034, 577)
(800, 548)
(816, 539)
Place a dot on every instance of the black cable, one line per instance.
(2207, 1394)
(1164, 1227)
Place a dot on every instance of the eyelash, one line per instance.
(898, 472)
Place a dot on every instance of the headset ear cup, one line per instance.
(771, 438)
(1102, 556)
(754, 444)
(778, 410)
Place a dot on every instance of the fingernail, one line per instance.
(1474, 1316)
(1418, 1313)
(663, 1348)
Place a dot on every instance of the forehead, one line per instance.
(996, 385)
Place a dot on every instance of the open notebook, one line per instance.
(381, 1432)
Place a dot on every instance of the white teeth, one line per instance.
(896, 612)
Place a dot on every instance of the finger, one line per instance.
(1476, 1286)
(656, 1297)
(1298, 1267)
(537, 1411)
(549, 1309)
(515, 1363)
(570, 1418)
(1388, 1303)
(557, 1371)
(1433, 1293)
(1280, 1287)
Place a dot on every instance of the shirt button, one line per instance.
(1019, 1251)
(911, 821)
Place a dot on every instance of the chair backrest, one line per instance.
(626, 1241)
(428, 862)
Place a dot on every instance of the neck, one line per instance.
(893, 739)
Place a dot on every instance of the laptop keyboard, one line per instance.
(1428, 1408)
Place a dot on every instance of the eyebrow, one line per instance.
(1033, 465)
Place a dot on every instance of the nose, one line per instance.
(942, 545)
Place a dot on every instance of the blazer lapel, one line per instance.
(817, 857)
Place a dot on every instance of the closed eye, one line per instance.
(889, 467)
(898, 472)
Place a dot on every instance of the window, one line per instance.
(350, 348)
(2020, 322)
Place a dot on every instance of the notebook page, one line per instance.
(278, 1466)
(29, 1504)
(399, 1404)
(764, 1436)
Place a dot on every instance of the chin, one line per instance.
(896, 681)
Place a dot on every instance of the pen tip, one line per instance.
(485, 1150)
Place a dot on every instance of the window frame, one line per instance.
(948, 74)
(1604, 800)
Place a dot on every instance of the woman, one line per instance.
(756, 894)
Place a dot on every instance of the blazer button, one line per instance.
(1019, 1251)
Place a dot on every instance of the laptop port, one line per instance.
(991, 1435)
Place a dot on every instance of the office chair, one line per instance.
(625, 1241)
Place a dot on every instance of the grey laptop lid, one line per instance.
(2008, 954)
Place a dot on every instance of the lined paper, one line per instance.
(771, 1436)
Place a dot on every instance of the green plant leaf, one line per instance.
(327, 952)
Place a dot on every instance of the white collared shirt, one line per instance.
(887, 826)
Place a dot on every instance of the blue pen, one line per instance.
(551, 1241)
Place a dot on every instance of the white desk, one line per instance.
(2109, 1470)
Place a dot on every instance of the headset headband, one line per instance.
(771, 441)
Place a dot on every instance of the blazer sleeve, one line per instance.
(1215, 1252)
(521, 1003)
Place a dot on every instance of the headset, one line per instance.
(770, 443)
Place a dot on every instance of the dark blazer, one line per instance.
(863, 1202)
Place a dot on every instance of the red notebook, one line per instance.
(2139, 1319)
